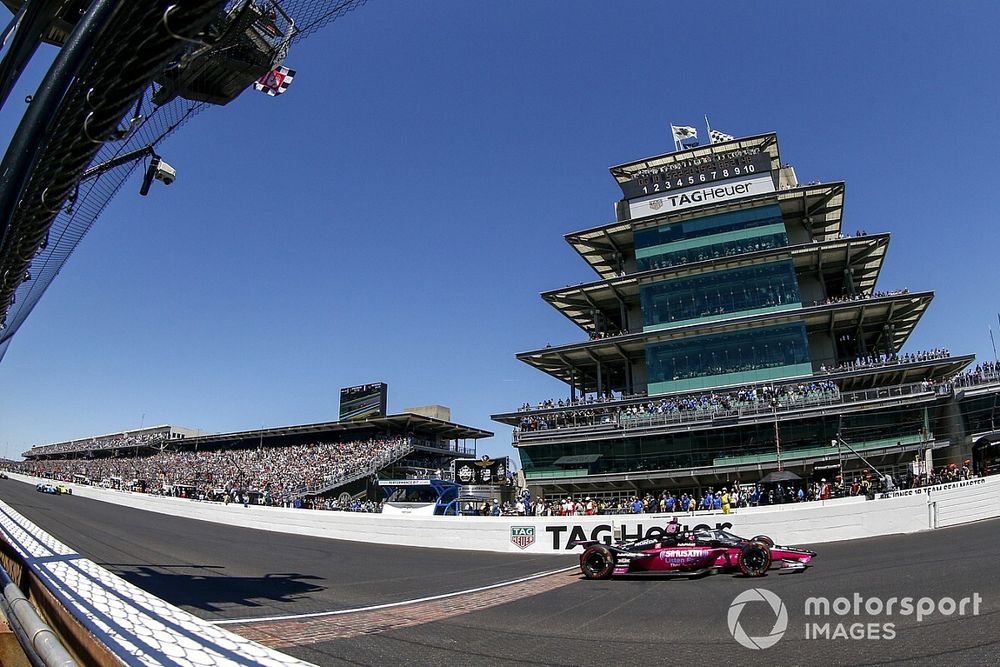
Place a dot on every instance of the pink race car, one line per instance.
(691, 553)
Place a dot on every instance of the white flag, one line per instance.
(683, 132)
(717, 137)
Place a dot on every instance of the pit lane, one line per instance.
(225, 574)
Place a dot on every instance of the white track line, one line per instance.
(388, 605)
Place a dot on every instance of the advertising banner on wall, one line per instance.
(700, 196)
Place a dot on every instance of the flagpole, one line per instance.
(673, 135)
(994, 344)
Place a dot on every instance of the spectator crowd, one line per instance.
(751, 397)
(274, 472)
(860, 296)
(875, 360)
(985, 372)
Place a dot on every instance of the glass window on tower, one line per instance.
(737, 357)
(711, 237)
(719, 295)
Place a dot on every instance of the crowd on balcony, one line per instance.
(589, 399)
(753, 397)
(875, 360)
(757, 396)
(857, 234)
(985, 372)
(274, 472)
(598, 335)
(860, 296)
(714, 251)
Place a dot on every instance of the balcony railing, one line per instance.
(620, 420)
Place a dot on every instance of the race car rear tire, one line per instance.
(597, 562)
(764, 539)
(755, 559)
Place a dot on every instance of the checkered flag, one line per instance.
(276, 81)
(719, 137)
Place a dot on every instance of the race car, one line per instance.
(45, 487)
(62, 489)
(691, 553)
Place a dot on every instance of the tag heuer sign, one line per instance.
(522, 536)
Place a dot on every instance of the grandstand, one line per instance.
(268, 465)
(733, 329)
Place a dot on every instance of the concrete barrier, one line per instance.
(799, 523)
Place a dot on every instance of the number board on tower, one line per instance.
(697, 171)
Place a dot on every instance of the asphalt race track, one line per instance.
(252, 581)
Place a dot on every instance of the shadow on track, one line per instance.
(214, 593)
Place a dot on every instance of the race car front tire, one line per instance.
(755, 559)
(597, 562)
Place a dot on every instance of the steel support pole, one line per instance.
(43, 644)
(29, 24)
(26, 143)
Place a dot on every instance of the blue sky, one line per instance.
(394, 216)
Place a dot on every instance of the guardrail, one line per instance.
(104, 620)
(39, 642)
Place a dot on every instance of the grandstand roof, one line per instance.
(865, 318)
(819, 207)
(864, 254)
(405, 422)
(395, 424)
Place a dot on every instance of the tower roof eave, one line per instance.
(864, 254)
(870, 319)
(767, 142)
(818, 206)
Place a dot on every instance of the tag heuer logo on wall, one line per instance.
(656, 204)
(522, 536)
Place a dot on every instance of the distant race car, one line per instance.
(45, 487)
(691, 553)
(62, 489)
